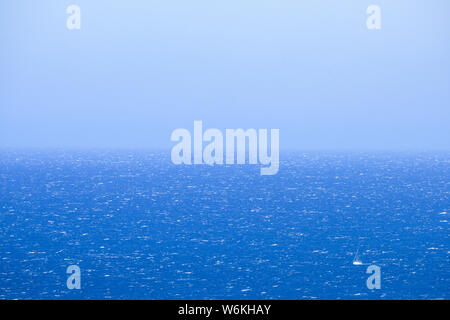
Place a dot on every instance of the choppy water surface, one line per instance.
(140, 227)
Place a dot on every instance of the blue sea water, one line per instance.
(140, 227)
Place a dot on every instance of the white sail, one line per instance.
(356, 261)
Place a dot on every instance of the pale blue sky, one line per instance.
(139, 69)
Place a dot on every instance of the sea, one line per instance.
(140, 227)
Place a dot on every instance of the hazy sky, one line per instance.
(138, 69)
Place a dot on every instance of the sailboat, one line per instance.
(356, 261)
